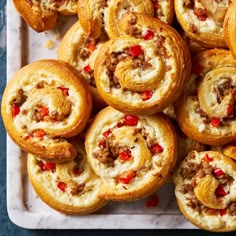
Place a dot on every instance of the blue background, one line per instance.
(6, 226)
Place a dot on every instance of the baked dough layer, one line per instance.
(206, 190)
(145, 71)
(132, 154)
(45, 103)
(206, 109)
(71, 187)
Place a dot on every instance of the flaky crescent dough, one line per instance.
(206, 190)
(132, 154)
(98, 15)
(230, 27)
(203, 20)
(43, 15)
(205, 111)
(138, 73)
(70, 187)
(46, 102)
(80, 51)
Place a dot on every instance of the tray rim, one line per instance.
(19, 214)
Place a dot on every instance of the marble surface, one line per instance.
(24, 208)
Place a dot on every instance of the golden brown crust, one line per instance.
(97, 16)
(80, 51)
(43, 15)
(143, 83)
(230, 151)
(134, 167)
(71, 187)
(199, 120)
(43, 104)
(202, 196)
(36, 17)
(230, 28)
(203, 21)
(164, 10)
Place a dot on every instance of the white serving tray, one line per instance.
(25, 209)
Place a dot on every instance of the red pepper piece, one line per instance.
(148, 35)
(124, 156)
(220, 191)
(215, 122)
(197, 69)
(50, 166)
(27, 137)
(44, 111)
(64, 91)
(106, 133)
(200, 13)
(146, 95)
(38, 133)
(218, 172)
(62, 186)
(207, 158)
(41, 165)
(136, 50)
(91, 46)
(223, 212)
(157, 148)
(131, 120)
(102, 144)
(87, 69)
(15, 110)
(152, 201)
(126, 176)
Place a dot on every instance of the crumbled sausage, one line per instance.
(232, 209)
(77, 189)
(19, 99)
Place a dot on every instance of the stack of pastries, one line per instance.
(135, 98)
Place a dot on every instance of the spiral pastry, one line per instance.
(206, 110)
(132, 154)
(80, 51)
(43, 104)
(71, 187)
(164, 10)
(206, 190)
(43, 15)
(144, 72)
(202, 20)
(230, 27)
(99, 14)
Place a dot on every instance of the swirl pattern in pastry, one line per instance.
(45, 103)
(43, 15)
(206, 109)
(80, 51)
(144, 72)
(132, 154)
(71, 187)
(202, 20)
(96, 16)
(230, 28)
(206, 190)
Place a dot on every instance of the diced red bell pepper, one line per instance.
(220, 191)
(64, 91)
(146, 95)
(131, 120)
(124, 156)
(15, 110)
(222, 212)
(106, 133)
(207, 158)
(218, 172)
(136, 50)
(44, 111)
(87, 69)
(215, 122)
(62, 186)
(157, 148)
(126, 176)
(50, 166)
(38, 133)
(148, 35)
(91, 46)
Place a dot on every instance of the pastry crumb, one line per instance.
(50, 44)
